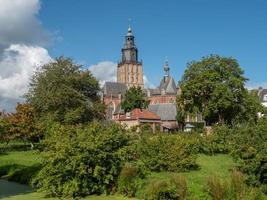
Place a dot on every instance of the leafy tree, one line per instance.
(80, 161)
(22, 124)
(3, 127)
(134, 98)
(214, 87)
(64, 92)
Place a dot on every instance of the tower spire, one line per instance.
(166, 67)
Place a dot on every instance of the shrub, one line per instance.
(160, 190)
(249, 149)
(173, 189)
(216, 142)
(130, 178)
(80, 161)
(168, 152)
(216, 188)
(235, 189)
(180, 184)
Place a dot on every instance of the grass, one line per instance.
(218, 165)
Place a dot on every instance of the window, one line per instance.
(265, 97)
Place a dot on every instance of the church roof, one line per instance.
(114, 89)
(167, 112)
(168, 84)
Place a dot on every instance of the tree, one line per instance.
(22, 125)
(134, 98)
(214, 87)
(82, 160)
(65, 93)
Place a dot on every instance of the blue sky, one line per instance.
(183, 30)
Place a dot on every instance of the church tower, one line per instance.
(130, 70)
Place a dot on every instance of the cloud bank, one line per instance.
(22, 42)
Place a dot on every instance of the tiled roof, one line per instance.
(140, 114)
(166, 111)
(168, 84)
(114, 89)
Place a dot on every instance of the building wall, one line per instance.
(162, 99)
(131, 74)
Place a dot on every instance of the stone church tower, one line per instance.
(130, 70)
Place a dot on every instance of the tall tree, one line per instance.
(213, 86)
(64, 92)
(134, 98)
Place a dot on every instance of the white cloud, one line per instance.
(22, 38)
(19, 23)
(104, 71)
(147, 83)
(17, 67)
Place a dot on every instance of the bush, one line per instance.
(216, 142)
(160, 190)
(130, 179)
(80, 161)
(174, 189)
(235, 189)
(216, 188)
(250, 150)
(180, 184)
(168, 152)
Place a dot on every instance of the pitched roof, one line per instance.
(166, 111)
(262, 93)
(168, 84)
(114, 89)
(140, 114)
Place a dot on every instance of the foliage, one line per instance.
(175, 188)
(130, 179)
(134, 98)
(22, 124)
(214, 87)
(62, 91)
(219, 141)
(3, 128)
(79, 161)
(179, 182)
(168, 152)
(160, 190)
(250, 149)
(235, 189)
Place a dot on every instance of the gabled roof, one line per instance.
(167, 112)
(114, 89)
(168, 84)
(143, 114)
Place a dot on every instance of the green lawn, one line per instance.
(218, 165)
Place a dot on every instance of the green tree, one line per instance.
(213, 86)
(134, 98)
(65, 93)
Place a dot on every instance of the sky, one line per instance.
(33, 32)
